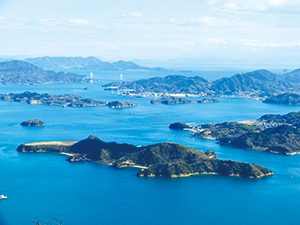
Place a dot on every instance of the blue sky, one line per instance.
(253, 31)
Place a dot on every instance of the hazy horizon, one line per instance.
(228, 32)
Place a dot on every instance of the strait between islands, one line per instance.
(159, 160)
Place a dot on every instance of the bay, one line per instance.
(45, 186)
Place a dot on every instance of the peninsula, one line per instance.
(286, 99)
(159, 160)
(61, 100)
(271, 133)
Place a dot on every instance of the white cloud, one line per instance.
(1, 17)
(78, 22)
(49, 22)
(137, 14)
(172, 20)
(256, 5)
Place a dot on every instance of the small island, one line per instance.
(271, 133)
(33, 123)
(120, 105)
(180, 126)
(158, 160)
(179, 100)
(34, 98)
(286, 99)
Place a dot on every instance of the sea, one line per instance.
(45, 186)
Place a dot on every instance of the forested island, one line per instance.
(34, 98)
(271, 133)
(33, 123)
(258, 84)
(179, 100)
(158, 160)
(24, 73)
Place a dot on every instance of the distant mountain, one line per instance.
(19, 72)
(259, 80)
(259, 83)
(90, 63)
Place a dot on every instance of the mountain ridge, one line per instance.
(91, 63)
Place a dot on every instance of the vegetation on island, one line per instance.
(120, 105)
(287, 99)
(33, 123)
(180, 126)
(61, 100)
(158, 160)
(272, 133)
(179, 100)
(258, 84)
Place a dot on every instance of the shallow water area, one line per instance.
(45, 186)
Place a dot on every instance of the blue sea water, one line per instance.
(45, 186)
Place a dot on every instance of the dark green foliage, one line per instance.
(163, 159)
(170, 84)
(226, 129)
(287, 98)
(47, 99)
(93, 143)
(118, 104)
(171, 100)
(33, 123)
(180, 126)
(290, 118)
(284, 139)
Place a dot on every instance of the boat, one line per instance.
(3, 197)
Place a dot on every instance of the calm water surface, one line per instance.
(45, 186)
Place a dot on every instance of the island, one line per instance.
(180, 126)
(33, 123)
(120, 105)
(179, 100)
(271, 133)
(286, 98)
(258, 84)
(158, 160)
(61, 100)
(24, 73)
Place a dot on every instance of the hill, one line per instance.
(169, 84)
(258, 84)
(287, 99)
(19, 72)
(90, 63)
(272, 133)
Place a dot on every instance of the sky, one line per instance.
(209, 31)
